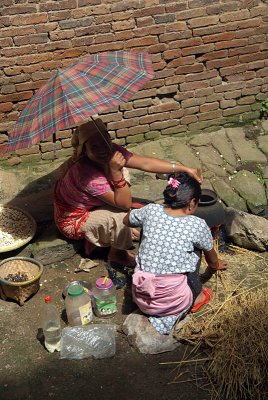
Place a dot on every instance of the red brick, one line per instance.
(262, 72)
(224, 62)
(188, 69)
(32, 150)
(249, 23)
(193, 102)
(185, 43)
(236, 110)
(29, 19)
(244, 33)
(168, 106)
(176, 26)
(205, 21)
(209, 107)
(144, 21)
(106, 47)
(219, 37)
(165, 73)
(123, 25)
(182, 61)
(244, 50)
(142, 103)
(214, 55)
(246, 100)
(155, 83)
(257, 39)
(233, 94)
(198, 49)
(235, 16)
(163, 124)
(176, 114)
(200, 76)
(210, 115)
(185, 87)
(6, 42)
(231, 43)
(167, 89)
(191, 110)
(71, 53)
(189, 119)
(233, 70)
(229, 87)
(175, 79)
(144, 93)
(15, 97)
(151, 30)
(148, 119)
(254, 82)
(256, 11)
(124, 35)
(6, 107)
(263, 55)
(138, 129)
(123, 124)
(203, 92)
(61, 35)
(149, 11)
(159, 66)
(120, 133)
(171, 54)
(138, 112)
(16, 51)
(256, 65)
(198, 12)
(173, 36)
(227, 103)
(149, 40)
(157, 48)
(175, 7)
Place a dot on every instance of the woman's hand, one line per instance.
(116, 164)
(196, 174)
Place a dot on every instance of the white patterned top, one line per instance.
(168, 242)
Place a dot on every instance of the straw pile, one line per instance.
(230, 335)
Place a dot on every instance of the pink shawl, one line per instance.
(161, 295)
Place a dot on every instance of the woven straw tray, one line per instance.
(17, 227)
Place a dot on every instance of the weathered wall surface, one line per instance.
(210, 60)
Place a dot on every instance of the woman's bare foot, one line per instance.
(122, 257)
(200, 298)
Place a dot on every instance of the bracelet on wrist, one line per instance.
(120, 185)
(118, 181)
(173, 167)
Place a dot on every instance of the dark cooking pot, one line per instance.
(210, 209)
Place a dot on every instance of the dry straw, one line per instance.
(229, 339)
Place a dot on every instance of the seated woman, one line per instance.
(166, 281)
(93, 195)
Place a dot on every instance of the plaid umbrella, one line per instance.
(92, 85)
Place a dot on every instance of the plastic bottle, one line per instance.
(78, 306)
(51, 326)
(105, 298)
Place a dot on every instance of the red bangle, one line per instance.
(120, 185)
(119, 181)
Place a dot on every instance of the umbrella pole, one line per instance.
(54, 145)
(98, 129)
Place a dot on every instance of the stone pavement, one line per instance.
(233, 161)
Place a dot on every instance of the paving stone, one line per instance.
(221, 143)
(183, 153)
(210, 156)
(151, 149)
(263, 144)
(227, 194)
(216, 169)
(246, 150)
(264, 124)
(201, 139)
(251, 189)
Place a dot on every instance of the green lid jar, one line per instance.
(78, 306)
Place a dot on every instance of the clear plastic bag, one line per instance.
(81, 342)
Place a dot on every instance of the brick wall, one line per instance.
(210, 60)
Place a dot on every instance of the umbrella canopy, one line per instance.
(91, 85)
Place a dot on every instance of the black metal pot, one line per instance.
(210, 209)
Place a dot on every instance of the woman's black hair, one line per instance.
(187, 189)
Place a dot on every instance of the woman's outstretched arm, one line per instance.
(150, 164)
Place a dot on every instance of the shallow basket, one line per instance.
(29, 222)
(20, 291)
